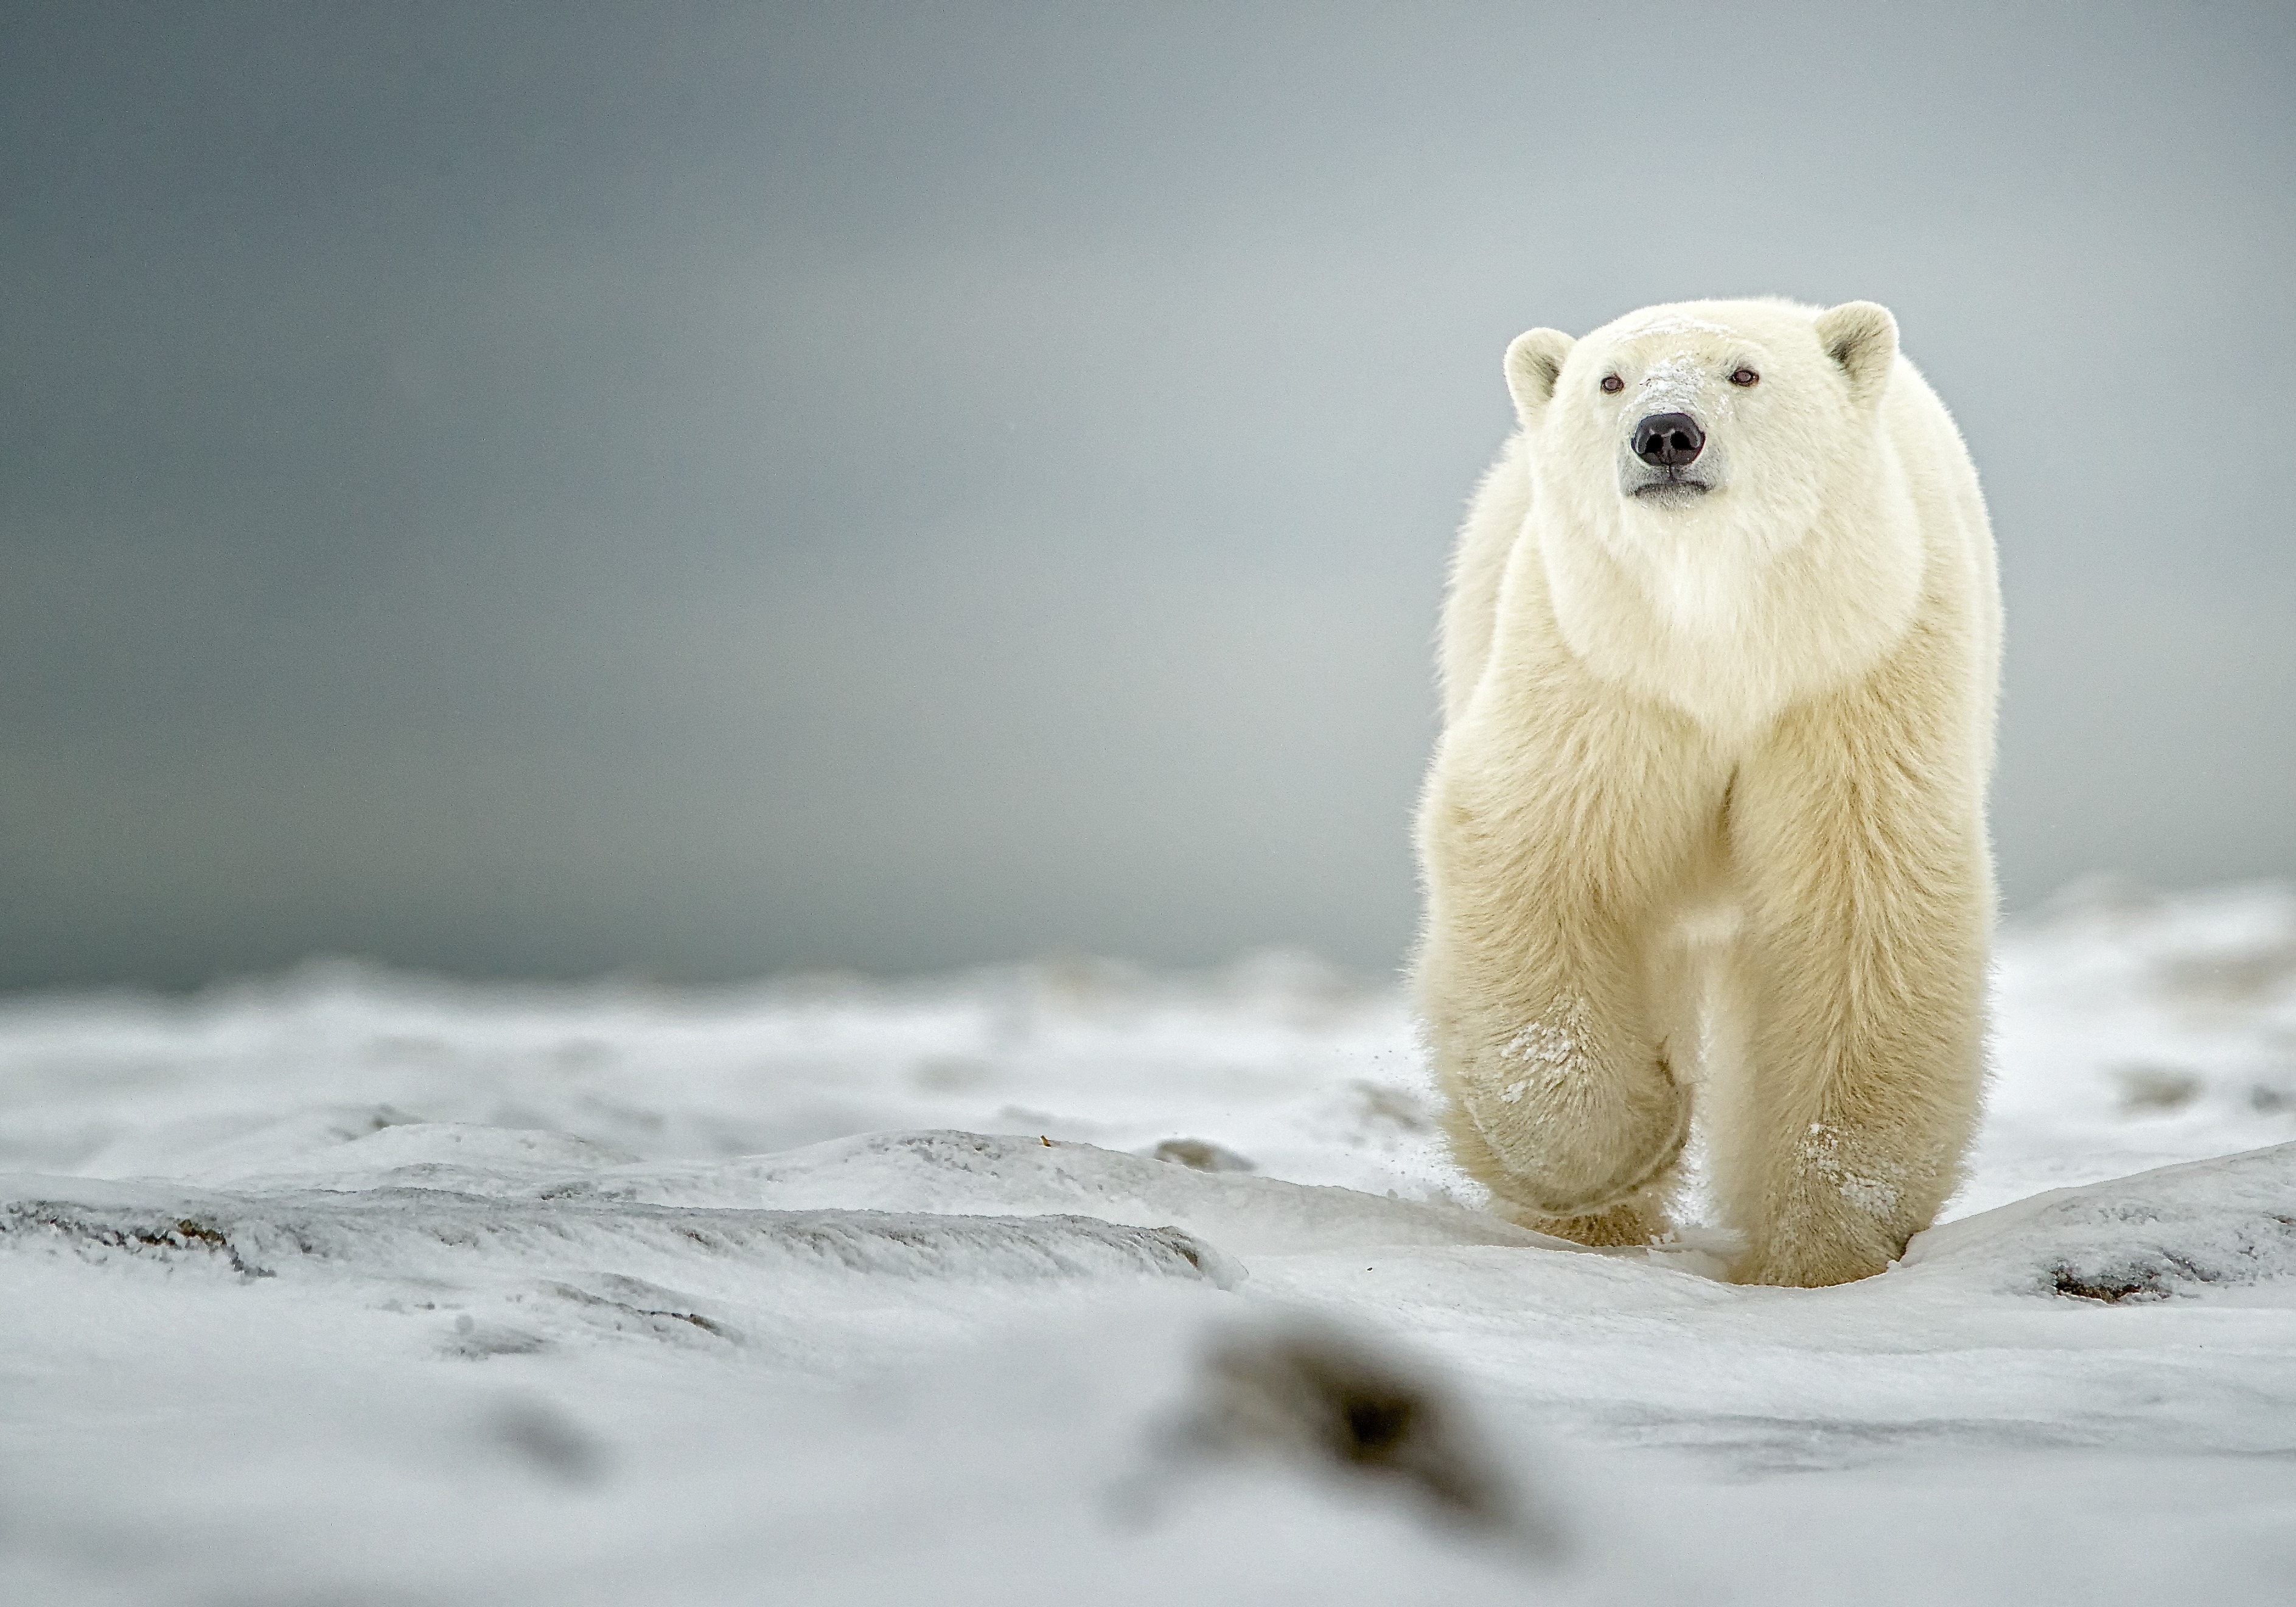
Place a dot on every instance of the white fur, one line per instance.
(1710, 798)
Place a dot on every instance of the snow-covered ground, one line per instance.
(351, 1288)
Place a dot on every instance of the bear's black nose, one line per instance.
(1667, 439)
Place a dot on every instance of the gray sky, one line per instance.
(699, 491)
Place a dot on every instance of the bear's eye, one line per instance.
(1613, 383)
(1745, 376)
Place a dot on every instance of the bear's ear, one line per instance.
(1533, 363)
(1863, 338)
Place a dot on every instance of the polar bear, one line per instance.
(1719, 661)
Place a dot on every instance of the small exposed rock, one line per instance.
(547, 1440)
(2272, 1100)
(2147, 1090)
(1393, 1108)
(1201, 1154)
(2245, 975)
(953, 1073)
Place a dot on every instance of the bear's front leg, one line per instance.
(1545, 875)
(1570, 1141)
(1868, 900)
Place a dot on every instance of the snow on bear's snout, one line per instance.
(1671, 450)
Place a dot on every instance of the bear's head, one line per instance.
(1704, 420)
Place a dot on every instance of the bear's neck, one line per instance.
(1736, 627)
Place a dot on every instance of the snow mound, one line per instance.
(975, 1172)
(390, 1149)
(406, 1231)
(2204, 1227)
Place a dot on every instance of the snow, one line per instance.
(351, 1287)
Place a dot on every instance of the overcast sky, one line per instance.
(542, 490)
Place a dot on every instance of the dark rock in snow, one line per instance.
(1323, 1398)
(2175, 1230)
